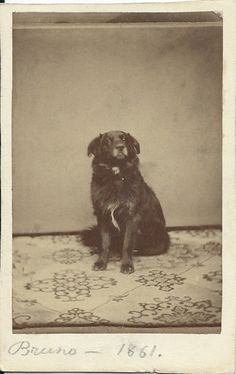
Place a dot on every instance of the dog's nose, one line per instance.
(120, 147)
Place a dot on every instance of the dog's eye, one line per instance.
(123, 138)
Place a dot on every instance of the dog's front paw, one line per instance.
(127, 268)
(100, 265)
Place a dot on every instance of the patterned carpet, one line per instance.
(54, 284)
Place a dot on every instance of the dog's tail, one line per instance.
(89, 237)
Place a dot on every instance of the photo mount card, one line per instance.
(119, 345)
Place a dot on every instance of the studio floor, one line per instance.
(56, 290)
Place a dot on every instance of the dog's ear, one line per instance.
(94, 146)
(134, 143)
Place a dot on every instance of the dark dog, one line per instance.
(129, 215)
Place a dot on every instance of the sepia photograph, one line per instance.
(119, 225)
(116, 141)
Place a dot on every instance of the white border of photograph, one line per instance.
(174, 353)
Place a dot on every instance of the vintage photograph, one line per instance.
(117, 172)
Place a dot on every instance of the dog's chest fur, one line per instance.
(115, 191)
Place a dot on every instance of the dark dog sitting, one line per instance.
(129, 215)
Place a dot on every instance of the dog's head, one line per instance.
(116, 145)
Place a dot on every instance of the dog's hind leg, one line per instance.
(152, 245)
(153, 250)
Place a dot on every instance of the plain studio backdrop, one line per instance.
(163, 85)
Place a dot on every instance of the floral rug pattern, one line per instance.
(54, 284)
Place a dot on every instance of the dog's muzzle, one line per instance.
(120, 152)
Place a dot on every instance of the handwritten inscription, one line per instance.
(24, 348)
(131, 350)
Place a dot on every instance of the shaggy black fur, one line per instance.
(129, 215)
